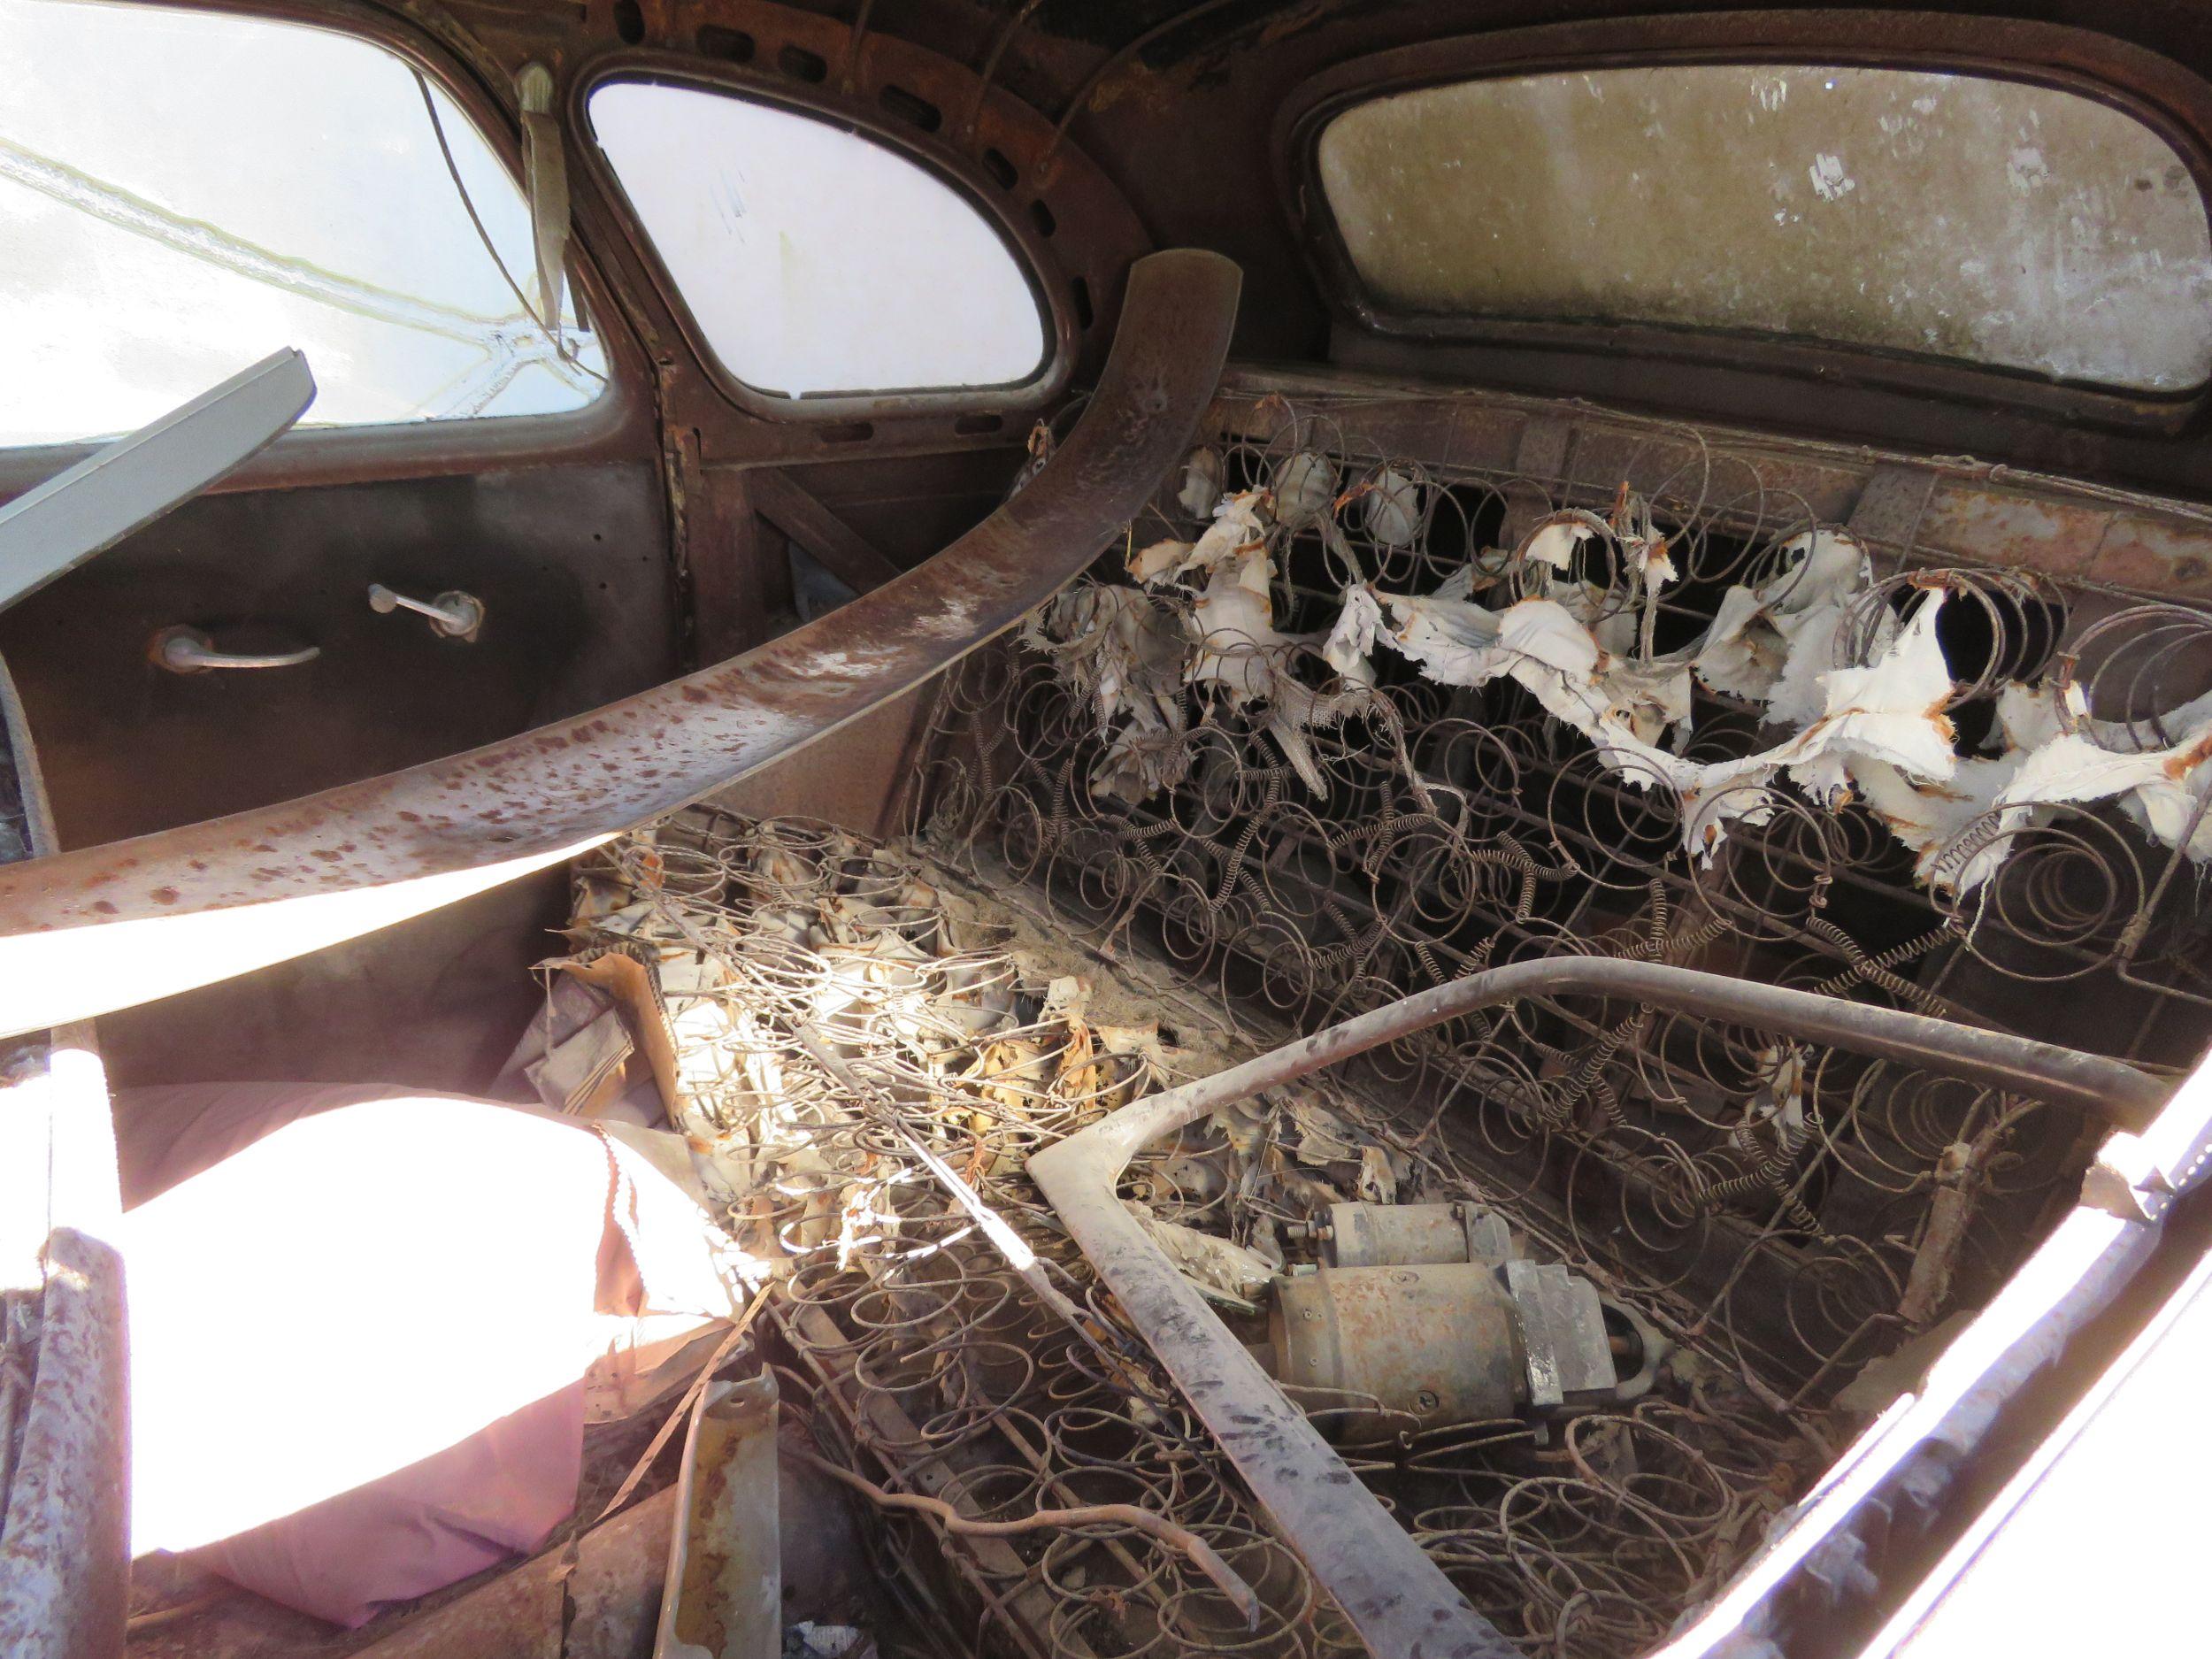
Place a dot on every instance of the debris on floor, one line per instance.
(869, 1046)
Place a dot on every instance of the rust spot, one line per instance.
(2182, 765)
(165, 895)
(105, 907)
(693, 694)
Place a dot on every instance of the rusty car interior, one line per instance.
(1280, 828)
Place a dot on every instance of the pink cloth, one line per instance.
(372, 1322)
(499, 1493)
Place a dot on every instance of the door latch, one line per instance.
(189, 651)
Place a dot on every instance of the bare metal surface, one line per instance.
(1394, 1594)
(113, 925)
(65, 1570)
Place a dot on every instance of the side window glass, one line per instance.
(814, 261)
(183, 192)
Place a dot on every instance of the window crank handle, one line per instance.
(453, 613)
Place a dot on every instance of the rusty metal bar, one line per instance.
(65, 1559)
(724, 1590)
(842, 551)
(109, 927)
(1398, 1599)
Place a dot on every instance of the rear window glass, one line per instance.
(813, 260)
(1952, 216)
(182, 193)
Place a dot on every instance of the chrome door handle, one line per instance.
(453, 613)
(189, 651)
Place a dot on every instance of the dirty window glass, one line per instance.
(813, 260)
(1949, 215)
(182, 193)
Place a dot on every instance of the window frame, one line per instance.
(619, 424)
(1059, 326)
(2142, 85)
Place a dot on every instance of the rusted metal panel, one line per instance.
(1949, 510)
(604, 1586)
(614, 1595)
(860, 778)
(517, 1615)
(2162, 557)
(723, 1598)
(723, 556)
(1970, 521)
(844, 551)
(1890, 509)
(570, 561)
(109, 927)
(1546, 441)
(64, 1563)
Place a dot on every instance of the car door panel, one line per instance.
(570, 564)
